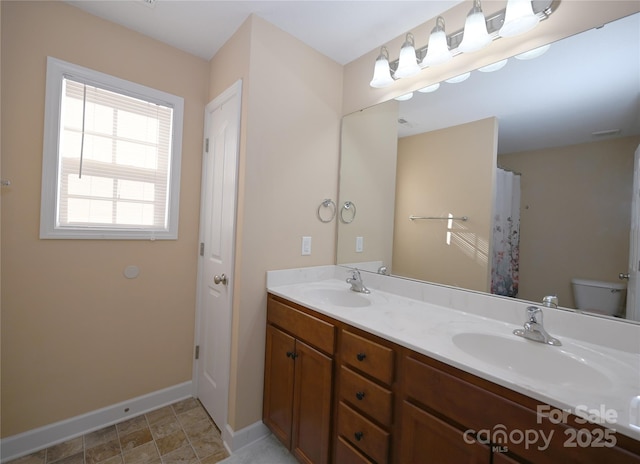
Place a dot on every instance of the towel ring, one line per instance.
(326, 204)
(348, 206)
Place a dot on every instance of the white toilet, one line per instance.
(596, 296)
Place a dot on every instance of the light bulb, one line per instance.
(494, 66)
(408, 63)
(460, 78)
(535, 53)
(475, 36)
(381, 71)
(518, 19)
(438, 49)
(430, 88)
(405, 97)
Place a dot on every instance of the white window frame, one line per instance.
(57, 70)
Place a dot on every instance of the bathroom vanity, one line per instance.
(347, 381)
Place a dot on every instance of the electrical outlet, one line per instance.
(306, 246)
(359, 244)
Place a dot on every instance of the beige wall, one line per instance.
(368, 179)
(575, 215)
(449, 171)
(76, 334)
(289, 160)
(571, 17)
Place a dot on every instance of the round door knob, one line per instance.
(358, 436)
(360, 395)
(220, 279)
(623, 276)
(361, 356)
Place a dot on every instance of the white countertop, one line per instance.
(610, 390)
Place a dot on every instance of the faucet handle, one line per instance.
(534, 314)
(355, 276)
(550, 301)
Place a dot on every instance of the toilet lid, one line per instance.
(600, 283)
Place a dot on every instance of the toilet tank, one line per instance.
(599, 296)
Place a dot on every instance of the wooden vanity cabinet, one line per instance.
(299, 380)
(334, 393)
(444, 409)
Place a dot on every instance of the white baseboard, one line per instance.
(234, 440)
(28, 442)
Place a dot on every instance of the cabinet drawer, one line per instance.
(363, 434)
(366, 396)
(312, 330)
(347, 454)
(367, 356)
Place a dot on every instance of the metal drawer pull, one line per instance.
(361, 356)
(291, 354)
(358, 436)
(360, 395)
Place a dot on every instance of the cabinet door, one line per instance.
(311, 405)
(426, 439)
(278, 384)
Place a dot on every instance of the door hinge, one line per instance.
(202, 249)
(197, 351)
(206, 145)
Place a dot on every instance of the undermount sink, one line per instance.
(335, 297)
(549, 364)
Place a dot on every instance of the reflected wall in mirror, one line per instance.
(566, 123)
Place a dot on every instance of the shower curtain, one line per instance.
(506, 235)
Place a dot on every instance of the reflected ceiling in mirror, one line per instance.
(583, 84)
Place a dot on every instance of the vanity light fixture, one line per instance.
(405, 97)
(430, 88)
(535, 53)
(382, 72)
(518, 19)
(459, 78)
(475, 36)
(408, 63)
(494, 66)
(438, 49)
(513, 20)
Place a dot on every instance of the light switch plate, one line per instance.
(359, 244)
(306, 246)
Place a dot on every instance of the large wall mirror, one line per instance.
(516, 182)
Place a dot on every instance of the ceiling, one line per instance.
(342, 30)
(601, 67)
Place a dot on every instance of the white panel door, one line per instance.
(633, 287)
(217, 237)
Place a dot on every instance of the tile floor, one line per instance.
(265, 451)
(182, 433)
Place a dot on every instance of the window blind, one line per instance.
(114, 159)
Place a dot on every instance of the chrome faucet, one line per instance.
(550, 301)
(534, 330)
(356, 282)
